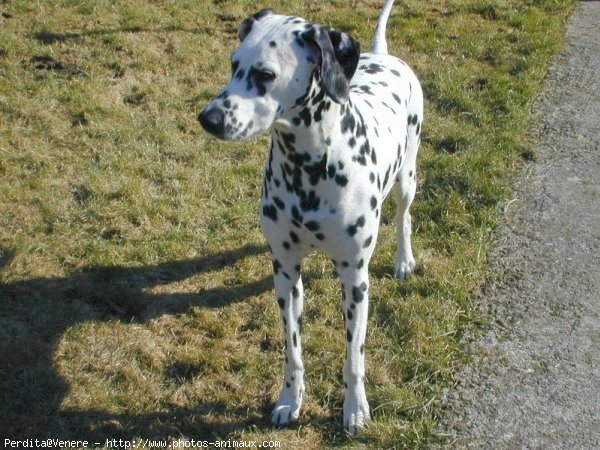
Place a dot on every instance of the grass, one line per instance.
(135, 285)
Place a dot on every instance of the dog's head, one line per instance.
(281, 60)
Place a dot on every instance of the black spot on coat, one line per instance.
(279, 203)
(373, 202)
(341, 180)
(271, 212)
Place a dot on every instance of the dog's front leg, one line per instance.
(289, 292)
(355, 288)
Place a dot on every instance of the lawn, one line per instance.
(136, 296)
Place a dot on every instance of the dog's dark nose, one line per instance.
(212, 120)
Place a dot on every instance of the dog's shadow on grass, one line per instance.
(35, 314)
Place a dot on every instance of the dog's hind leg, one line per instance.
(405, 189)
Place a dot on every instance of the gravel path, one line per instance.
(535, 379)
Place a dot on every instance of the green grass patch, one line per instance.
(135, 285)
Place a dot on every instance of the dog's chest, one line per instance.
(307, 188)
(313, 196)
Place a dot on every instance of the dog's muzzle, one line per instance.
(213, 121)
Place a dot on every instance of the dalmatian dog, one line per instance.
(345, 130)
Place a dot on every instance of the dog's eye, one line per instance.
(266, 75)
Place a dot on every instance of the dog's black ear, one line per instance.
(248, 23)
(339, 58)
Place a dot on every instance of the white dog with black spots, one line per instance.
(345, 130)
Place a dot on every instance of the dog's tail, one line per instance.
(379, 44)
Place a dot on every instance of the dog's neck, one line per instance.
(313, 123)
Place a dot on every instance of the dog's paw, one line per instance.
(287, 408)
(284, 414)
(356, 415)
(404, 269)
